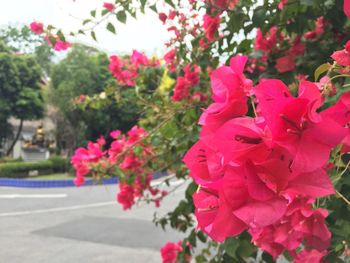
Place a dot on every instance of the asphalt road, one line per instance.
(66, 225)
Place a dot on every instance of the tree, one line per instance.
(85, 72)
(22, 40)
(20, 89)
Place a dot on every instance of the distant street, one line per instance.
(79, 225)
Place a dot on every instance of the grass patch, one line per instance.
(61, 176)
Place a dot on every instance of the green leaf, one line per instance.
(246, 249)
(86, 21)
(259, 16)
(104, 12)
(81, 32)
(154, 8)
(170, 2)
(143, 4)
(121, 16)
(201, 236)
(93, 13)
(93, 35)
(111, 28)
(231, 245)
(322, 69)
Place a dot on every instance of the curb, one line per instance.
(21, 183)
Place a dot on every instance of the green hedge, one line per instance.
(55, 164)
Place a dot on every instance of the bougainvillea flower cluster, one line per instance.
(342, 57)
(54, 41)
(223, 4)
(109, 6)
(263, 173)
(183, 84)
(128, 154)
(169, 252)
(125, 70)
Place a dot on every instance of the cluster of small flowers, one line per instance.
(223, 4)
(263, 173)
(270, 43)
(129, 154)
(181, 24)
(109, 6)
(170, 251)
(184, 83)
(57, 44)
(125, 70)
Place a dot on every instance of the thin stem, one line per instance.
(253, 106)
(346, 168)
(343, 197)
(336, 77)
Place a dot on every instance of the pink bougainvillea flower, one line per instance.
(215, 216)
(204, 163)
(342, 57)
(310, 256)
(61, 45)
(124, 71)
(347, 7)
(313, 184)
(318, 31)
(101, 141)
(223, 4)
(268, 41)
(79, 180)
(340, 113)
(295, 124)
(211, 26)
(136, 133)
(82, 159)
(126, 196)
(109, 6)
(238, 64)
(181, 89)
(199, 96)
(240, 138)
(229, 89)
(169, 252)
(298, 48)
(170, 58)
(172, 14)
(300, 224)
(115, 134)
(260, 214)
(37, 28)
(326, 86)
(192, 76)
(162, 17)
(281, 4)
(139, 58)
(285, 63)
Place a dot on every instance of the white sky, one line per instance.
(145, 34)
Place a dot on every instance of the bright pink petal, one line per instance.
(226, 224)
(314, 184)
(347, 7)
(237, 64)
(342, 57)
(256, 187)
(261, 214)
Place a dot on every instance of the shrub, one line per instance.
(22, 169)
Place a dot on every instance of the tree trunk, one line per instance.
(16, 138)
